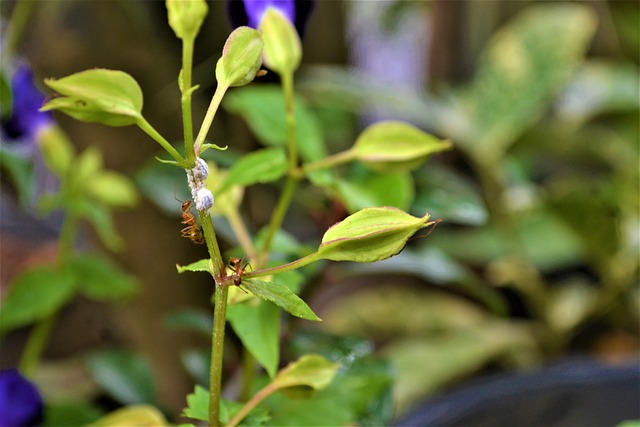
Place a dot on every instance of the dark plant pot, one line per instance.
(569, 394)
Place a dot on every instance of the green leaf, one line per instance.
(123, 375)
(369, 189)
(99, 279)
(35, 294)
(392, 146)
(57, 151)
(263, 108)
(201, 265)
(112, 189)
(19, 170)
(280, 295)
(86, 166)
(600, 87)
(524, 65)
(240, 59)
(105, 96)
(70, 413)
(360, 394)
(197, 404)
(262, 166)
(372, 234)
(98, 215)
(6, 102)
(186, 17)
(134, 415)
(282, 47)
(311, 371)
(257, 324)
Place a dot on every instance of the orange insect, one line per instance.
(191, 231)
(235, 265)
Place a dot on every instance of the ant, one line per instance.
(191, 231)
(235, 265)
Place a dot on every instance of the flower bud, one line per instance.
(240, 59)
(282, 47)
(186, 17)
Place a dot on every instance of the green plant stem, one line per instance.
(16, 26)
(293, 265)
(41, 332)
(328, 162)
(219, 318)
(293, 177)
(217, 351)
(149, 130)
(208, 118)
(240, 231)
(255, 401)
(187, 122)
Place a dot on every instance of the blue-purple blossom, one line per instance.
(20, 402)
(250, 12)
(26, 120)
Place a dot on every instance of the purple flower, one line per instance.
(25, 121)
(20, 402)
(249, 12)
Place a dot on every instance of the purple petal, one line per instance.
(25, 121)
(20, 402)
(250, 12)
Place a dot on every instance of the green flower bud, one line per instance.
(109, 97)
(396, 146)
(186, 17)
(57, 151)
(240, 59)
(282, 47)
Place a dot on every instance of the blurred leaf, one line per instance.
(99, 279)
(600, 87)
(164, 186)
(483, 245)
(257, 324)
(569, 304)
(446, 357)
(57, 150)
(522, 68)
(112, 189)
(134, 415)
(19, 171)
(198, 409)
(266, 165)
(384, 313)
(70, 413)
(446, 193)
(100, 217)
(310, 370)
(371, 234)
(283, 243)
(35, 294)
(196, 320)
(123, 375)
(370, 189)
(198, 364)
(6, 102)
(280, 295)
(264, 110)
(338, 348)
